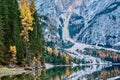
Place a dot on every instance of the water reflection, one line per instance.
(93, 72)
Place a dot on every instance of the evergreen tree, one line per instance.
(10, 18)
(4, 17)
(1, 43)
(37, 41)
(14, 23)
(26, 21)
(14, 29)
(37, 44)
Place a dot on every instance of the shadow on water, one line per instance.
(93, 72)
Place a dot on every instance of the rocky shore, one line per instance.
(11, 71)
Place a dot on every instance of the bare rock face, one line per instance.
(94, 22)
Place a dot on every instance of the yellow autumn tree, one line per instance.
(67, 58)
(13, 51)
(27, 21)
(49, 49)
(55, 52)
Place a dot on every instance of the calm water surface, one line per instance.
(94, 72)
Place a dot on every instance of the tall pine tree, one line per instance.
(4, 17)
(10, 18)
(2, 61)
(37, 42)
(15, 29)
(27, 22)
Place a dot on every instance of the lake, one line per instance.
(86, 72)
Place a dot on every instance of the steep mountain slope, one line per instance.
(72, 23)
(93, 22)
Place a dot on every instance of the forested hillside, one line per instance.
(21, 39)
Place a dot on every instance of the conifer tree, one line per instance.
(14, 22)
(1, 43)
(26, 21)
(37, 40)
(4, 13)
(10, 18)
(36, 37)
(4, 18)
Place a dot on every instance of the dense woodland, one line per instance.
(104, 54)
(21, 38)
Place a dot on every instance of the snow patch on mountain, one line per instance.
(82, 23)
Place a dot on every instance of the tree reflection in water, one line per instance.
(69, 73)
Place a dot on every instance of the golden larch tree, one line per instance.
(56, 52)
(49, 49)
(27, 21)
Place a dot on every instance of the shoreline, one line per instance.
(11, 71)
(4, 71)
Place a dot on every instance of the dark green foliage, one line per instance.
(53, 59)
(14, 23)
(10, 18)
(75, 60)
(4, 12)
(4, 20)
(50, 44)
(1, 43)
(57, 71)
(37, 42)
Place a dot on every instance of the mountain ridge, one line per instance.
(75, 24)
(78, 20)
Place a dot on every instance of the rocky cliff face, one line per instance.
(75, 25)
(94, 22)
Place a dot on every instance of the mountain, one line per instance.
(77, 24)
